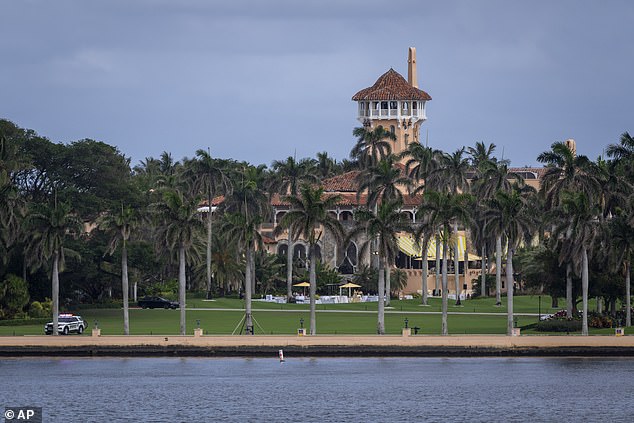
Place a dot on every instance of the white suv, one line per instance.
(67, 323)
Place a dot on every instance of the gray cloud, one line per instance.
(258, 80)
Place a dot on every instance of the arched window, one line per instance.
(346, 216)
(392, 129)
(299, 252)
(282, 250)
(351, 253)
(407, 216)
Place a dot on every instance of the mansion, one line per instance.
(400, 106)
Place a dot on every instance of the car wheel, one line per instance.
(65, 331)
(80, 330)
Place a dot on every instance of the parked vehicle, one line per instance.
(66, 324)
(157, 302)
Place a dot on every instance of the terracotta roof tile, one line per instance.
(391, 86)
(346, 182)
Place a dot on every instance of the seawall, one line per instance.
(320, 345)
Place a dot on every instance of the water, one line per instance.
(321, 389)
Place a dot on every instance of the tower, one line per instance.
(396, 104)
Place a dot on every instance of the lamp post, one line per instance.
(539, 308)
(301, 322)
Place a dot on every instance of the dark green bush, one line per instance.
(24, 322)
(557, 325)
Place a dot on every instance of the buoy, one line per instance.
(281, 356)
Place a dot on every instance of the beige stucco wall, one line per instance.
(414, 280)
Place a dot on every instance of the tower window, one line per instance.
(392, 129)
(393, 105)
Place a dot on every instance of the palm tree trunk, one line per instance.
(569, 291)
(388, 284)
(628, 298)
(125, 288)
(380, 327)
(55, 292)
(465, 268)
(509, 287)
(444, 288)
(209, 248)
(248, 274)
(313, 291)
(425, 271)
(289, 268)
(584, 291)
(456, 265)
(436, 282)
(181, 288)
(498, 270)
(483, 276)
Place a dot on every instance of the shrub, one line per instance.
(599, 321)
(24, 322)
(14, 296)
(40, 309)
(558, 325)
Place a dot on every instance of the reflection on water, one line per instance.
(321, 389)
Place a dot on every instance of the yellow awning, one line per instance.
(407, 245)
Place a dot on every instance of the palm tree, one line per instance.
(579, 220)
(441, 210)
(451, 176)
(423, 231)
(624, 151)
(507, 213)
(421, 163)
(309, 218)
(225, 265)
(381, 229)
(208, 177)
(372, 145)
(51, 226)
(482, 155)
(11, 213)
(622, 245)
(249, 195)
(566, 171)
(326, 165)
(451, 173)
(243, 230)
(178, 227)
(290, 174)
(120, 224)
(382, 182)
(491, 178)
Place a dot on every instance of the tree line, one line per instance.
(82, 209)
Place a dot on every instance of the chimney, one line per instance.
(572, 145)
(411, 68)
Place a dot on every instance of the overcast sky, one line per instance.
(261, 80)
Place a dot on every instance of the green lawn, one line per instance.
(284, 318)
(521, 304)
